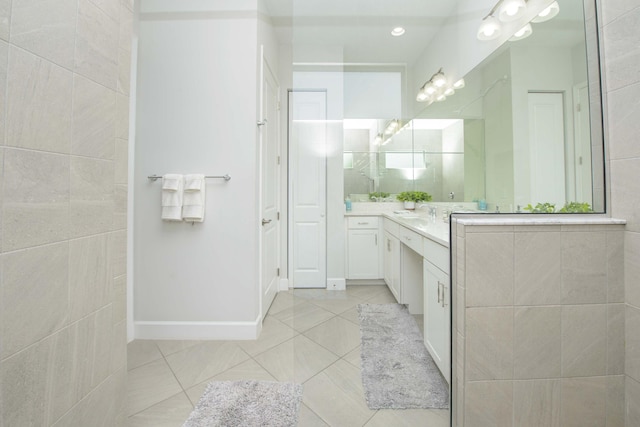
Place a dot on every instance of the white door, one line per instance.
(547, 148)
(269, 184)
(307, 188)
(584, 191)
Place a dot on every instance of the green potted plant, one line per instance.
(410, 198)
(378, 196)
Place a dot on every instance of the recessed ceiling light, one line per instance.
(397, 32)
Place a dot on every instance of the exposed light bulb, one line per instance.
(548, 13)
(459, 84)
(489, 29)
(422, 96)
(397, 32)
(522, 33)
(510, 10)
(441, 97)
(429, 89)
(439, 79)
(449, 91)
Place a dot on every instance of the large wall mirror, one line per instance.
(521, 132)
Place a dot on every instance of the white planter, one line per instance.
(410, 205)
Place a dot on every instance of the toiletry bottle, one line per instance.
(347, 203)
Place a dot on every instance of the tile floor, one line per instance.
(309, 336)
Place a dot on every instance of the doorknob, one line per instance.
(265, 221)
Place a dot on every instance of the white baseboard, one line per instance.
(283, 285)
(159, 330)
(336, 284)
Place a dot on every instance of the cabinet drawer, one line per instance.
(392, 227)
(411, 239)
(356, 222)
(436, 254)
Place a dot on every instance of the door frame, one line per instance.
(265, 68)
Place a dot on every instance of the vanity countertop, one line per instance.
(437, 230)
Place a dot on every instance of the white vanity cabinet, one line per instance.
(437, 305)
(391, 251)
(363, 248)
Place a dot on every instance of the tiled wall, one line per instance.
(539, 325)
(622, 67)
(64, 96)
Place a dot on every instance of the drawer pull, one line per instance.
(363, 223)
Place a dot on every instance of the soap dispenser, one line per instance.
(347, 203)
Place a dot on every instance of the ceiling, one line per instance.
(361, 28)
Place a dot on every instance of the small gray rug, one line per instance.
(397, 370)
(247, 404)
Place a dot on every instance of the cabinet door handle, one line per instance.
(439, 293)
(363, 223)
(444, 295)
(388, 245)
(376, 240)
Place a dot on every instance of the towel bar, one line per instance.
(157, 177)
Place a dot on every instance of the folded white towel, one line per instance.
(172, 186)
(194, 198)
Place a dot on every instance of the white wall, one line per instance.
(196, 113)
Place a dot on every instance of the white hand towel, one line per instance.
(194, 198)
(172, 185)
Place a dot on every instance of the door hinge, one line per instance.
(578, 108)
(278, 216)
(278, 106)
(278, 159)
(278, 272)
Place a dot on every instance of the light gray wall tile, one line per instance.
(46, 28)
(632, 409)
(489, 268)
(632, 363)
(624, 190)
(489, 349)
(35, 289)
(537, 347)
(94, 119)
(103, 341)
(96, 54)
(622, 48)
(119, 346)
(615, 339)
(489, 404)
(632, 268)
(110, 7)
(122, 122)
(35, 383)
(584, 401)
(39, 103)
(125, 32)
(584, 340)
(5, 19)
(120, 207)
(537, 403)
(121, 160)
(4, 70)
(105, 404)
(36, 199)
(118, 253)
(124, 71)
(538, 268)
(624, 125)
(615, 401)
(584, 267)
(1, 192)
(613, 9)
(90, 283)
(91, 202)
(615, 266)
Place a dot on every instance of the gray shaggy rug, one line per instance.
(247, 404)
(397, 370)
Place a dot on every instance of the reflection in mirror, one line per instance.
(529, 106)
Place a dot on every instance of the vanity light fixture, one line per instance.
(547, 13)
(397, 31)
(522, 33)
(437, 88)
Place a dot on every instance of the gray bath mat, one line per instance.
(397, 370)
(247, 404)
